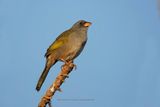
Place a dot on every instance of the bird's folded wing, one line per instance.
(59, 42)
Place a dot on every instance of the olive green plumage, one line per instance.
(66, 47)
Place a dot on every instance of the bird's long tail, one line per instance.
(43, 75)
(42, 78)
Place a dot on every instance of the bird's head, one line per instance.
(81, 24)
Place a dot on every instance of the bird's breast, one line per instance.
(74, 46)
(78, 39)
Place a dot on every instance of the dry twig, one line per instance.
(65, 70)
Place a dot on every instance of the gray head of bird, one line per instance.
(81, 25)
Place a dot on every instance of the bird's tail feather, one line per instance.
(42, 77)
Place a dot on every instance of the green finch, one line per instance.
(66, 47)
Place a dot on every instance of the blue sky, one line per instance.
(119, 67)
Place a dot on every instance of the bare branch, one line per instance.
(65, 70)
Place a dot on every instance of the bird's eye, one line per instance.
(82, 23)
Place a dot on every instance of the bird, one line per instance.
(66, 47)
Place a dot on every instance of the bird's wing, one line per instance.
(59, 42)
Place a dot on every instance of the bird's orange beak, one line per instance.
(87, 24)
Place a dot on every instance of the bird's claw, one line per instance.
(74, 66)
(70, 63)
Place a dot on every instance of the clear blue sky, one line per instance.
(119, 67)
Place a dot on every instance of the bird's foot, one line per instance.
(74, 66)
(69, 63)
